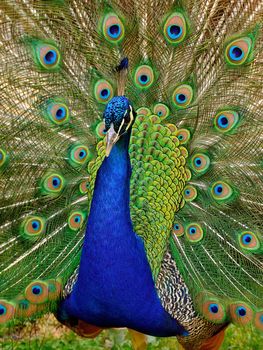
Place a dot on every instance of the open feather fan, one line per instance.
(195, 80)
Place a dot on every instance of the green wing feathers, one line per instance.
(195, 80)
(158, 178)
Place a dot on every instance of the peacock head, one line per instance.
(119, 117)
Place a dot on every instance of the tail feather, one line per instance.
(195, 78)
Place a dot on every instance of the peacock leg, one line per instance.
(139, 340)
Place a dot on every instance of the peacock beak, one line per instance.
(111, 138)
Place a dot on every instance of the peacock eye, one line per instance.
(7, 311)
(103, 91)
(211, 308)
(161, 110)
(76, 220)
(237, 52)
(113, 29)
(182, 96)
(48, 56)
(33, 227)
(221, 191)
(57, 113)
(194, 232)
(37, 292)
(143, 79)
(249, 241)
(190, 193)
(84, 186)
(79, 155)
(144, 76)
(56, 181)
(241, 313)
(175, 28)
(178, 229)
(53, 183)
(100, 130)
(226, 120)
(183, 136)
(200, 163)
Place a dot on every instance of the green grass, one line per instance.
(47, 334)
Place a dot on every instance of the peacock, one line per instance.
(131, 165)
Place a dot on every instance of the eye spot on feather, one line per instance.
(103, 91)
(32, 227)
(194, 232)
(249, 241)
(213, 308)
(52, 183)
(79, 155)
(100, 130)
(214, 311)
(190, 193)
(225, 121)
(37, 292)
(58, 113)
(144, 111)
(178, 229)
(161, 110)
(113, 28)
(76, 220)
(3, 157)
(183, 136)
(84, 186)
(258, 321)
(7, 311)
(241, 313)
(144, 77)
(182, 96)
(200, 163)
(175, 29)
(56, 182)
(24, 308)
(238, 51)
(48, 56)
(221, 191)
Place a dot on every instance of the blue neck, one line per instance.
(115, 286)
(111, 198)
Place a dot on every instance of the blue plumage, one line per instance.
(115, 286)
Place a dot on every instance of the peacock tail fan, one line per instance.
(196, 148)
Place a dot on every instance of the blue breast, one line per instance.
(115, 286)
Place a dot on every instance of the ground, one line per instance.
(48, 334)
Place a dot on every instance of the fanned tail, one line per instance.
(195, 80)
